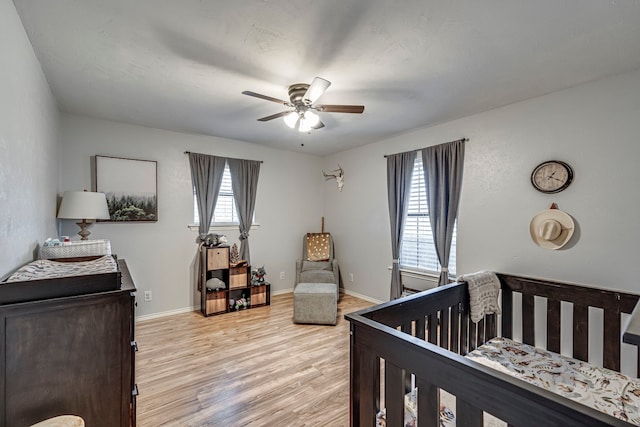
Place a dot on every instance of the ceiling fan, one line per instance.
(301, 98)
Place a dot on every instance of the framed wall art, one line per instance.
(130, 186)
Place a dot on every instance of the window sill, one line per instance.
(220, 226)
(419, 274)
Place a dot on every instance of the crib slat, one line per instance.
(490, 327)
(455, 329)
(507, 312)
(420, 328)
(444, 329)
(528, 320)
(407, 328)
(428, 403)
(472, 335)
(433, 328)
(581, 332)
(612, 339)
(481, 333)
(365, 368)
(553, 326)
(467, 415)
(394, 390)
(464, 332)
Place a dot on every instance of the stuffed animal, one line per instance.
(215, 284)
(241, 303)
(257, 276)
(212, 239)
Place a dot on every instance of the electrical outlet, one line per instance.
(282, 275)
(148, 296)
(351, 277)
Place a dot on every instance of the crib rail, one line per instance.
(613, 304)
(422, 338)
(439, 316)
(476, 387)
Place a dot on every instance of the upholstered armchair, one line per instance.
(317, 264)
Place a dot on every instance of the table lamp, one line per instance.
(85, 205)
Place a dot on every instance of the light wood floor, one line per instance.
(248, 368)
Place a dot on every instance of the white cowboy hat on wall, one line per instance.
(551, 228)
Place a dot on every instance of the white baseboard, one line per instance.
(190, 309)
(342, 290)
(364, 297)
(167, 313)
(278, 292)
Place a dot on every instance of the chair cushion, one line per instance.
(316, 265)
(315, 288)
(317, 276)
(318, 246)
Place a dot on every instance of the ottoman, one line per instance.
(315, 303)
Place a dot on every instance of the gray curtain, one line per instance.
(206, 176)
(244, 180)
(399, 174)
(443, 165)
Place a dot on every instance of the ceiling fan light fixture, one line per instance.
(311, 118)
(305, 125)
(291, 119)
(302, 98)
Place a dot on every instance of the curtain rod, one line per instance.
(189, 152)
(462, 140)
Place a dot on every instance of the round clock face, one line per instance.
(552, 176)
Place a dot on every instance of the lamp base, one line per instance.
(84, 229)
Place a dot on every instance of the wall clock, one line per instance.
(552, 176)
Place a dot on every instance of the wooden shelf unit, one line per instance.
(214, 263)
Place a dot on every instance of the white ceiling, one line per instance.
(182, 65)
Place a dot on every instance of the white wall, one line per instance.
(594, 127)
(29, 147)
(160, 254)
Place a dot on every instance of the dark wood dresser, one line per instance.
(70, 355)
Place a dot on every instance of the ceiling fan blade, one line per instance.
(274, 116)
(319, 125)
(315, 90)
(357, 109)
(268, 98)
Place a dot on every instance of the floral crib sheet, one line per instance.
(447, 412)
(605, 390)
(447, 417)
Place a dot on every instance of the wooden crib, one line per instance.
(420, 341)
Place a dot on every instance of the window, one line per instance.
(225, 212)
(417, 248)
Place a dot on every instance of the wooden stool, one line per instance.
(61, 421)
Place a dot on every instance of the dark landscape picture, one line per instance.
(130, 187)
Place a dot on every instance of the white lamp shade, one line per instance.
(304, 126)
(291, 119)
(83, 205)
(312, 118)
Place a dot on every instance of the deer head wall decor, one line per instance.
(337, 174)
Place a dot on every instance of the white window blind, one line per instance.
(225, 212)
(417, 248)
